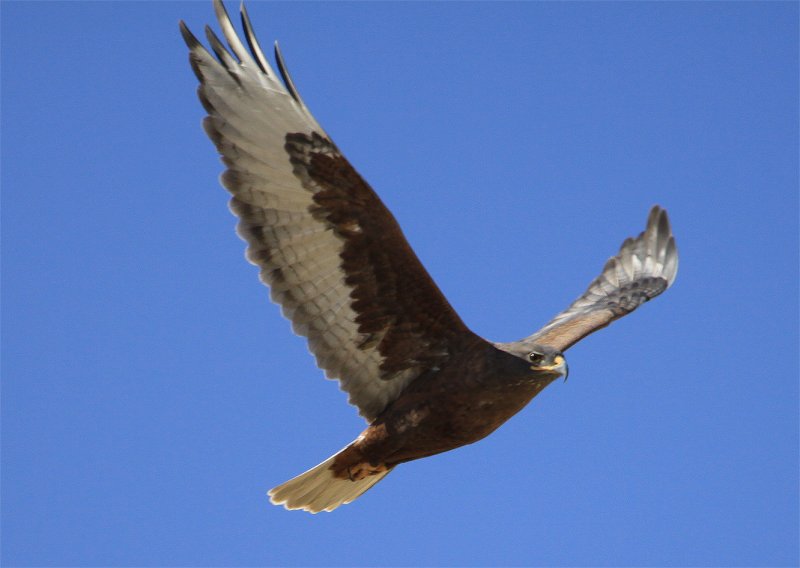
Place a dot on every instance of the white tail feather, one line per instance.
(318, 490)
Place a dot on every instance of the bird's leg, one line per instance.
(362, 458)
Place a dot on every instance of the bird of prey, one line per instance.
(337, 262)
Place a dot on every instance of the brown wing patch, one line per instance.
(399, 309)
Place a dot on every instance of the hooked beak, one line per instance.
(559, 367)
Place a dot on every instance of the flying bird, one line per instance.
(337, 262)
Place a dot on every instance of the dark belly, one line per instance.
(426, 423)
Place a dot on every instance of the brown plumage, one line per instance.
(337, 262)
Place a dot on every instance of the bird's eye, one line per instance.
(536, 358)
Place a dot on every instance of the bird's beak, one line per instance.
(561, 367)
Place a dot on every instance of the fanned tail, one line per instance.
(319, 490)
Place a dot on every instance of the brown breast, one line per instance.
(451, 407)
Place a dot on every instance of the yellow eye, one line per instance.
(536, 358)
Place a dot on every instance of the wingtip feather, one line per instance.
(287, 78)
(252, 41)
(188, 37)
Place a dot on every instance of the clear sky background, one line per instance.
(152, 394)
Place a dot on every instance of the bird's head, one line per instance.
(544, 359)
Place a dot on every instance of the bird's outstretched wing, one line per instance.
(643, 269)
(332, 254)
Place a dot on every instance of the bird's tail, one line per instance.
(318, 489)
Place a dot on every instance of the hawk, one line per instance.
(337, 262)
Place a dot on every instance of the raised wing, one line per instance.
(643, 269)
(332, 254)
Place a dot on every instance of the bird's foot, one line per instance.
(359, 471)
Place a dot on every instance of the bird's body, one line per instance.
(337, 262)
(443, 409)
(447, 408)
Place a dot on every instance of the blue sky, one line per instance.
(152, 394)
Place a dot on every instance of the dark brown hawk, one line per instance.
(337, 262)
